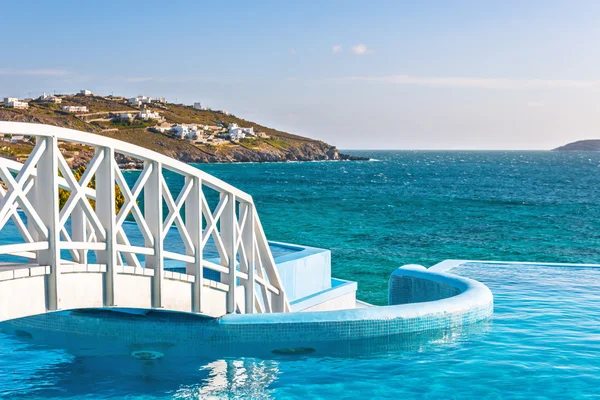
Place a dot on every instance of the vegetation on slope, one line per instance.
(278, 146)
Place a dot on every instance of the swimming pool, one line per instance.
(541, 342)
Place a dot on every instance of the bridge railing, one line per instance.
(206, 212)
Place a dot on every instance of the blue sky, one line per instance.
(381, 74)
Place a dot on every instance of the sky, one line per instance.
(474, 75)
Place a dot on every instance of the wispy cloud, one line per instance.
(336, 49)
(34, 72)
(360, 49)
(292, 52)
(480, 83)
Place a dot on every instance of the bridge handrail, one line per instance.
(91, 139)
(233, 224)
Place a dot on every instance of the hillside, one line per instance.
(273, 145)
(581, 145)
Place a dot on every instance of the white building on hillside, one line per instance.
(50, 98)
(85, 92)
(75, 109)
(13, 102)
(185, 131)
(139, 100)
(134, 101)
(147, 114)
(161, 100)
(236, 133)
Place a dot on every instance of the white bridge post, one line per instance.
(46, 205)
(153, 213)
(105, 209)
(193, 222)
(248, 238)
(228, 218)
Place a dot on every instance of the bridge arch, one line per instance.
(81, 255)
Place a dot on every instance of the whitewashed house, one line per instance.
(75, 109)
(50, 98)
(134, 101)
(85, 92)
(139, 100)
(236, 133)
(147, 114)
(13, 102)
(184, 131)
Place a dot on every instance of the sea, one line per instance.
(400, 207)
(423, 207)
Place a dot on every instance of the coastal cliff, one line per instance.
(102, 117)
(581, 145)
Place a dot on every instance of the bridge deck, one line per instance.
(19, 270)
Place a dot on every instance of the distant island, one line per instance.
(581, 145)
(189, 133)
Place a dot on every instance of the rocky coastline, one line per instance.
(275, 146)
(312, 151)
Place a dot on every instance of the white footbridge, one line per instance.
(78, 255)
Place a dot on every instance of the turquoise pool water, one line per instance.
(542, 342)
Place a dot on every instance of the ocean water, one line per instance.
(543, 340)
(424, 207)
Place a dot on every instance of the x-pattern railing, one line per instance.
(82, 227)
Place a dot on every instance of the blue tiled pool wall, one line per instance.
(128, 331)
(119, 334)
(254, 331)
(408, 289)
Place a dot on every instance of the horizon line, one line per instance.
(415, 149)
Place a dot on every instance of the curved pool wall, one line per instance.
(406, 289)
(454, 302)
